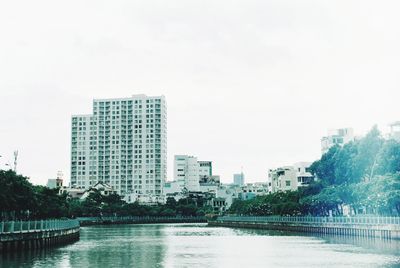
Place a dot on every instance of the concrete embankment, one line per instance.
(384, 230)
(43, 236)
(88, 221)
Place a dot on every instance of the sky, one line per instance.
(249, 85)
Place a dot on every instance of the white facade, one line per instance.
(172, 187)
(123, 143)
(303, 174)
(282, 179)
(336, 137)
(186, 169)
(257, 188)
(209, 188)
(290, 178)
(228, 193)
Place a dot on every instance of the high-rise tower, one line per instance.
(123, 143)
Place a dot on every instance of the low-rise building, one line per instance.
(56, 183)
(303, 173)
(218, 204)
(81, 193)
(336, 137)
(229, 193)
(282, 179)
(75, 193)
(257, 188)
(103, 188)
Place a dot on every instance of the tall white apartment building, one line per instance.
(123, 143)
(186, 170)
(336, 137)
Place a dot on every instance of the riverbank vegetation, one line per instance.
(19, 199)
(361, 177)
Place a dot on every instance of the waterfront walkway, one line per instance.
(15, 235)
(383, 227)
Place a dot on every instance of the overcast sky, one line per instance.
(252, 84)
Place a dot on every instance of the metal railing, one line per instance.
(10, 227)
(312, 220)
(137, 218)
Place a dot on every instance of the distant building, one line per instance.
(103, 188)
(395, 131)
(336, 137)
(218, 204)
(282, 179)
(193, 173)
(56, 183)
(238, 179)
(205, 170)
(303, 174)
(256, 188)
(229, 193)
(172, 187)
(51, 183)
(75, 193)
(80, 193)
(186, 169)
(246, 196)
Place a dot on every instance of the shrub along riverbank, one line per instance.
(362, 176)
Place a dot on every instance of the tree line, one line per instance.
(21, 200)
(362, 176)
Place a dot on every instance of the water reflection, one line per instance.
(196, 245)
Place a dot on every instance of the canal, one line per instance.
(196, 245)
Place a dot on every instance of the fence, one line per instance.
(138, 218)
(11, 227)
(311, 220)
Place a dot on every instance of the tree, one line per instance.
(367, 155)
(324, 168)
(49, 203)
(344, 167)
(16, 195)
(389, 158)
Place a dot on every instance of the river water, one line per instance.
(197, 245)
